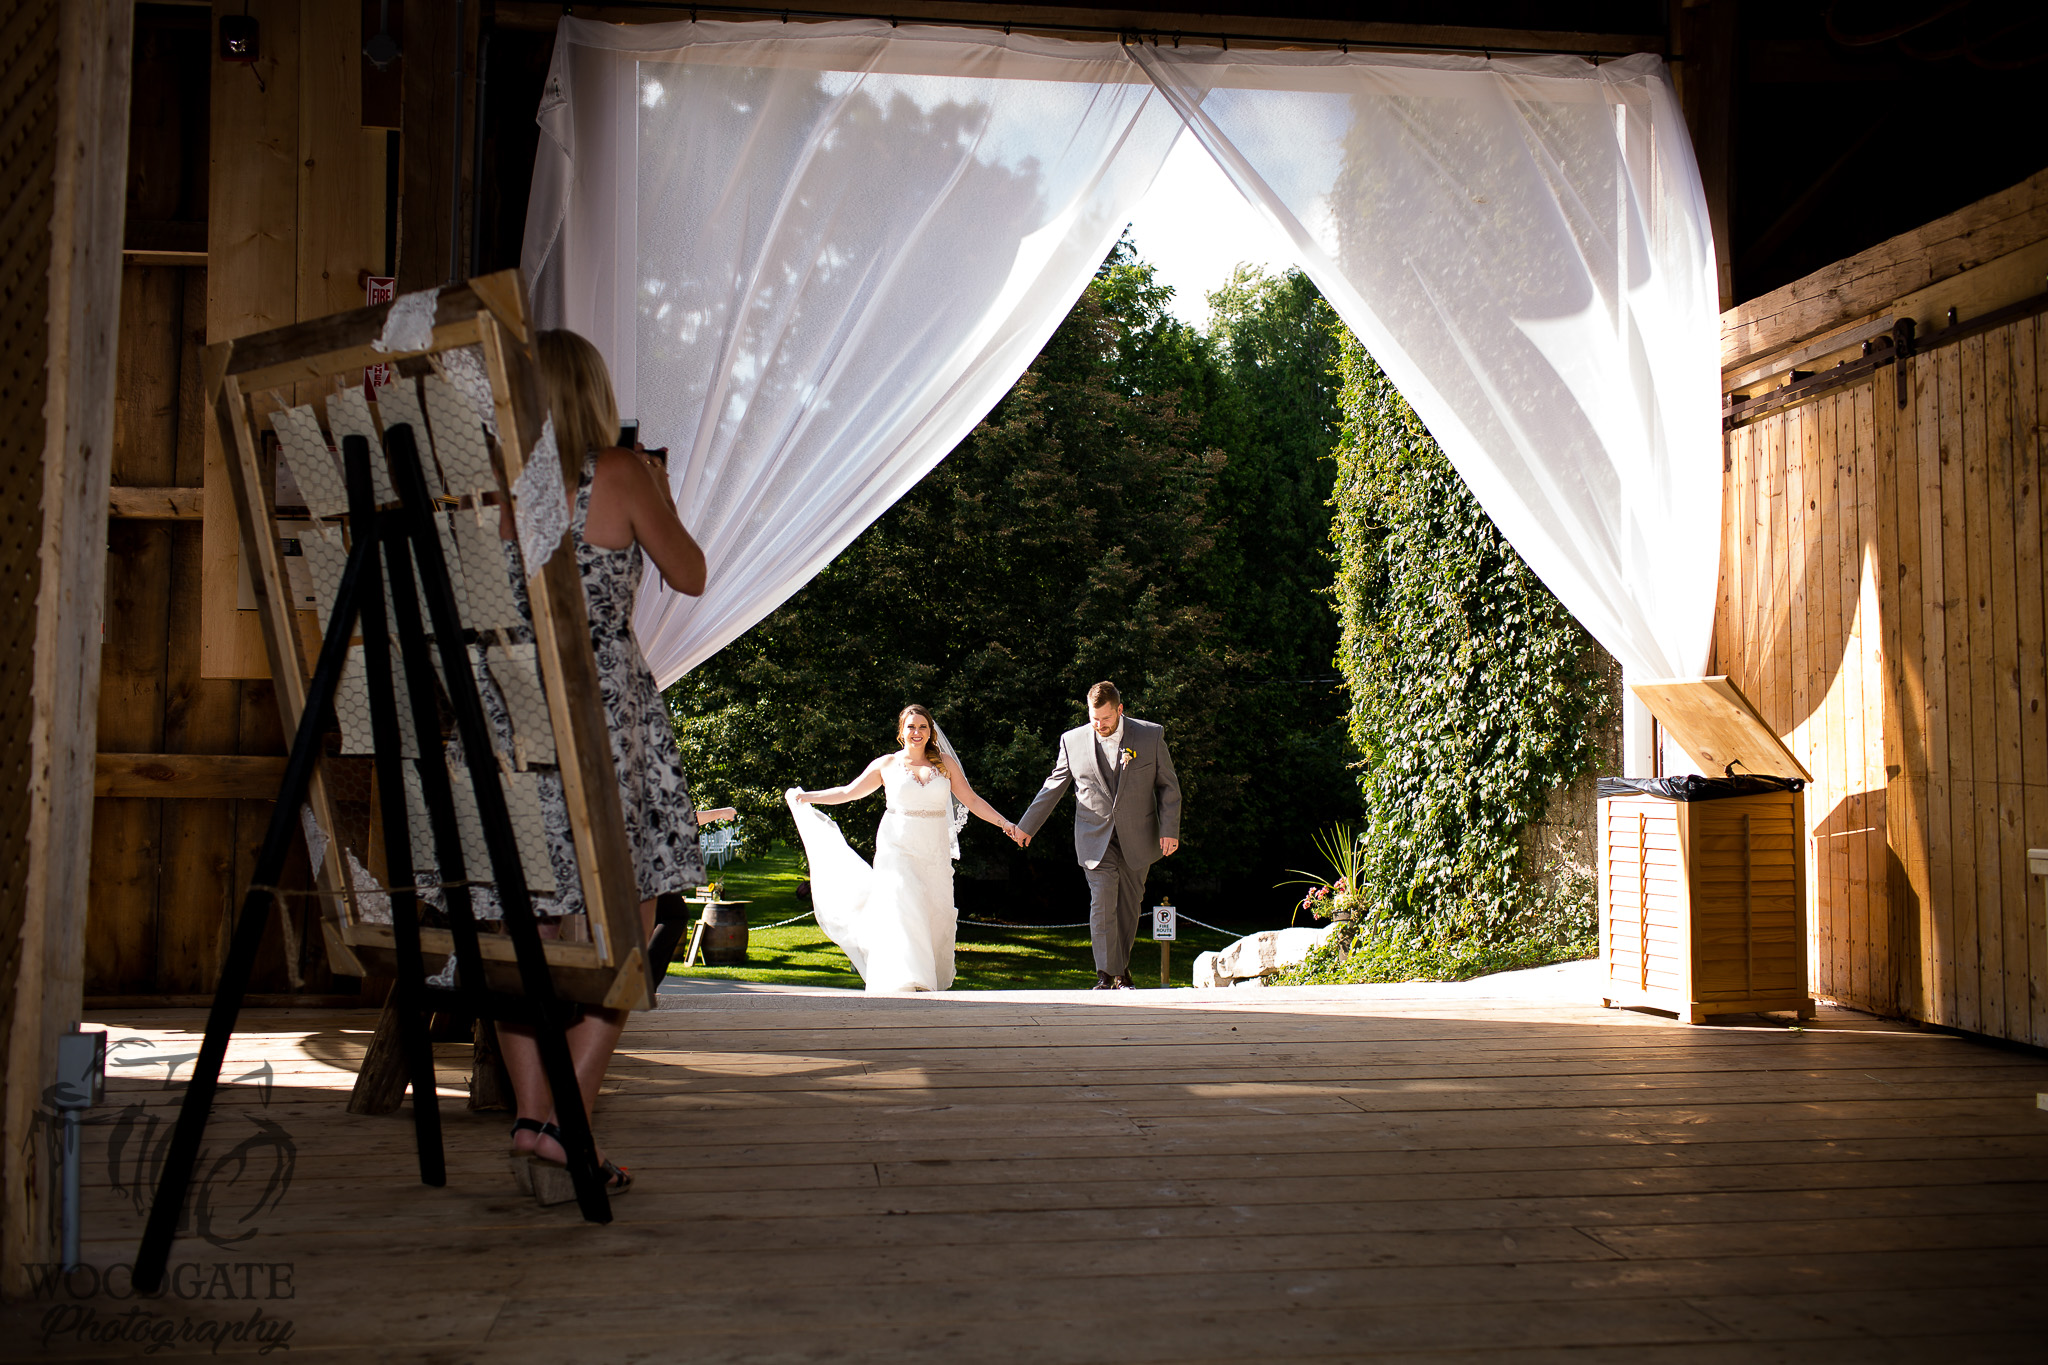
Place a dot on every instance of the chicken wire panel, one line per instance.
(398, 404)
(458, 438)
(408, 735)
(312, 465)
(517, 671)
(492, 603)
(444, 526)
(326, 558)
(418, 825)
(352, 705)
(348, 414)
(529, 829)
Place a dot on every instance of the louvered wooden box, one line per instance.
(1703, 903)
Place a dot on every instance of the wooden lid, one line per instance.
(1715, 725)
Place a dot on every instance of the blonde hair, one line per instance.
(580, 400)
(933, 754)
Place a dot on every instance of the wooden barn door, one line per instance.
(1882, 604)
(1798, 630)
(1971, 671)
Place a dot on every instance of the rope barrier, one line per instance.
(779, 923)
(1006, 924)
(1231, 932)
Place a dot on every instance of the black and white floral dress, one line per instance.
(661, 820)
(654, 796)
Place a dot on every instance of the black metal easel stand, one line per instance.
(402, 537)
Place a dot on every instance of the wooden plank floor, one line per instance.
(1228, 1176)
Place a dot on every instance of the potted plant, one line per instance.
(1335, 897)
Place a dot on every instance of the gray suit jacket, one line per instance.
(1141, 808)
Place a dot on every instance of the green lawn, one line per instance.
(986, 959)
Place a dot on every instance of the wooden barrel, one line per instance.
(725, 934)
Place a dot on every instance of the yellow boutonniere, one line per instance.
(1130, 754)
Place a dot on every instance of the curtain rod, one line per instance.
(1122, 34)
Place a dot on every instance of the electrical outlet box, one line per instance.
(81, 1069)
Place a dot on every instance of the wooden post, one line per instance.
(1165, 962)
(65, 91)
(1704, 41)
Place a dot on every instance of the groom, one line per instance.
(1126, 804)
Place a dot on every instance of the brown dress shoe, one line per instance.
(1104, 982)
(1122, 982)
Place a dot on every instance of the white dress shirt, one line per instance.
(1107, 746)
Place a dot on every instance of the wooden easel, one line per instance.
(396, 542)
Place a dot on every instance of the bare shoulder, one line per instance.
(616, 466)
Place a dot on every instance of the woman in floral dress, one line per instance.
(622, 507)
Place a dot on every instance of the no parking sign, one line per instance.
(1165, 923)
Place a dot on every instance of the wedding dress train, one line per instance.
(895, 920)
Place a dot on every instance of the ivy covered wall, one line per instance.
(1479, 708)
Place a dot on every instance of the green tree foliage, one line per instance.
(1103, 521)
(1064, 541)
(1474, 695)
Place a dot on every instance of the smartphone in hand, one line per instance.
(629, 433)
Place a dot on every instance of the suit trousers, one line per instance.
(1116, 894)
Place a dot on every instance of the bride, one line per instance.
(895, 920)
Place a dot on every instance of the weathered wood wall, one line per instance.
(1882, 603)
(168, 871)
(275, 174)
(64, 108)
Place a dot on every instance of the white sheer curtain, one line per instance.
(814, 256)
(1523, 246)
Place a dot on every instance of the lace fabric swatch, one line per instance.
(409, 326)
(371, 901)
(540, 506)
(464, 369)
(316, 837)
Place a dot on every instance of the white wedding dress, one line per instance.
(895, 920)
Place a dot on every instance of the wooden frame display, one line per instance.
(267, 390)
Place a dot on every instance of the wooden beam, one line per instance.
(1869, 282)
(203, 777)
(171, 258)
(251, 284)
(1706, 89)
(1189, 24)
(435, 168)
(64, 98)
(155, 504)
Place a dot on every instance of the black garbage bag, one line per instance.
(1693, 787)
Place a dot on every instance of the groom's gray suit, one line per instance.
(1120, 815)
